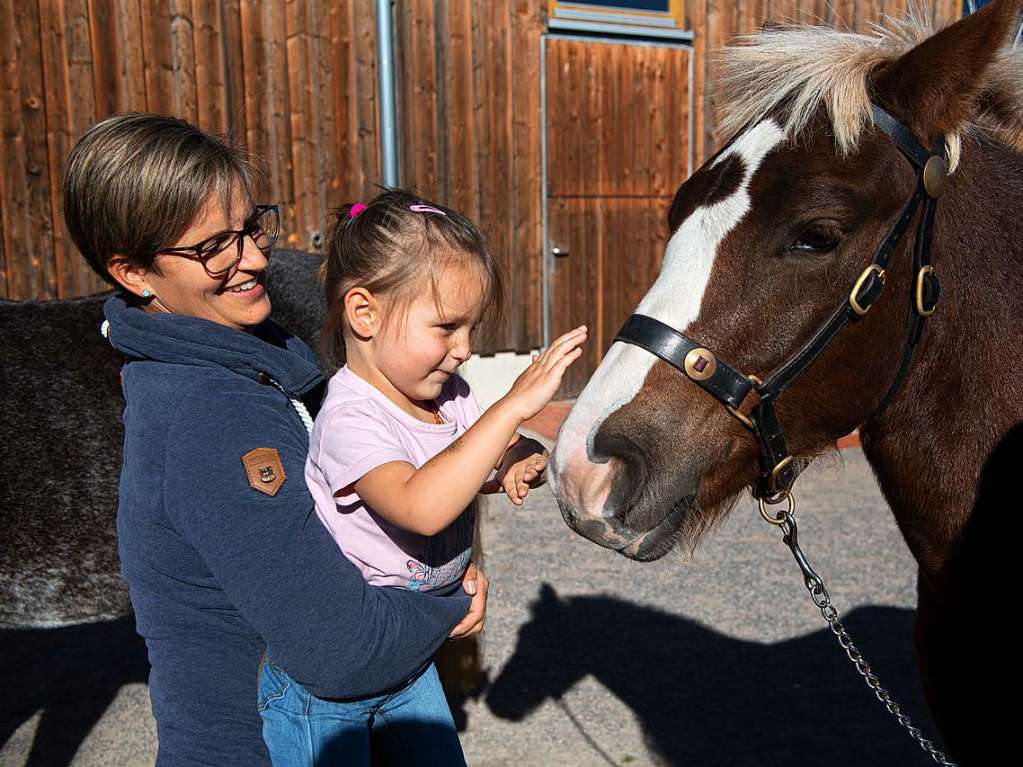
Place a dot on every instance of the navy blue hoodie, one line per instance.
(217, 570)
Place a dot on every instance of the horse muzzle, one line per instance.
(612, 534)
(593, 506)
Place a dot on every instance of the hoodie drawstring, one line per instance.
(300, 408)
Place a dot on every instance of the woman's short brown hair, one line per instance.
(135, 182)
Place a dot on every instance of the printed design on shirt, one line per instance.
(450, 550)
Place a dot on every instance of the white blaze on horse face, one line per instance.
(674, 299)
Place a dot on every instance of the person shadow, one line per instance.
(72, 674)
(702, 697)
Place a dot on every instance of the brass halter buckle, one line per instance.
(772, 481)
(921, 279)
(867, 273)
(744, 419)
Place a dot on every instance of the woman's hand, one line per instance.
(540, 381)
(475, 583)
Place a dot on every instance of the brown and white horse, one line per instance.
(766, 240)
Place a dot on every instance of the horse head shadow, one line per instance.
(701, 696)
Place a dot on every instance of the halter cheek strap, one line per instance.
(777, 470)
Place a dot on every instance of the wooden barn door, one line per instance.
(617, 148)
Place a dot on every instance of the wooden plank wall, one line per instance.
(469, 91)
(294, 80)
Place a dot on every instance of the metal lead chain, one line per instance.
(820, 596)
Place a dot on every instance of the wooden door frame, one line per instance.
(548, 257)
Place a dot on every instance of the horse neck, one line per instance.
(962, 393)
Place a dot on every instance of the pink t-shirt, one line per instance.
(358, 429)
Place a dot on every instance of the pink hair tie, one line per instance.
(420, 208)
(356, 209)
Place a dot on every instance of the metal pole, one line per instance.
(385, 87)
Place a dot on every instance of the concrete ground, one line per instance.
(715, 659)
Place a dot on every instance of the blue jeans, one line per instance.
(409, 726)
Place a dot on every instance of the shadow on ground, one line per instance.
(705, 698)
(71, 673)
(700, 697)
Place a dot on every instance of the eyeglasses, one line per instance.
(215, 253)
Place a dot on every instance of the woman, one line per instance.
(218, 542)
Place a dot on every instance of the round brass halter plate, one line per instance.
(700, 364)
(935, 174)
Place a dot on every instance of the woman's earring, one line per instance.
(147, 293)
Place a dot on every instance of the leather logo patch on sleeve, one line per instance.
(264, 470)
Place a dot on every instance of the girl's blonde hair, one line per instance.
(398, 244)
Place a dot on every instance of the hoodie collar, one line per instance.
(193, 341)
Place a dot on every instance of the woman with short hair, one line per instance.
(218, 541)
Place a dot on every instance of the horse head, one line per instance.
(767, 239)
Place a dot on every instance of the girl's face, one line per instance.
(417, 353)
(183, 286)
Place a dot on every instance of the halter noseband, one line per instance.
(732, 388)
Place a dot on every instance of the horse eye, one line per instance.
(817, 238)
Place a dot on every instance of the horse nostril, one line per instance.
(614, 441)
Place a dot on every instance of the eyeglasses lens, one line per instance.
(221, 253)
(265, 229)
(224, 252)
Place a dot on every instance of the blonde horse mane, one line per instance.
(794, 72)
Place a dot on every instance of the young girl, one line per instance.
(400, 449)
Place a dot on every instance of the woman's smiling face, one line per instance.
(182, 285)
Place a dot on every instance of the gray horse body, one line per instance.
(61, 420)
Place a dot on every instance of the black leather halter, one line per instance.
(732, 388)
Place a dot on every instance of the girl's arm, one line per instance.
(429, 499)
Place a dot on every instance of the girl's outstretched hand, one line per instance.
(540, 381)
(522, 476)
(521, 469)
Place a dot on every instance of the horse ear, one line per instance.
(932, 88)
(548, 594)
